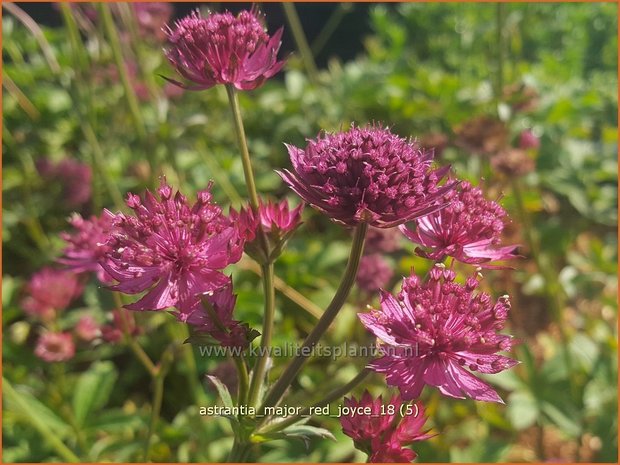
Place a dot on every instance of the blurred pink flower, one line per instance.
(374, 273)
(49, 291)
(383, 433)
(468, 229)
(436, 329)
(86, 245)
(170, 249)
(223, 49)
(74, 176)
(382, 240)
(152, 18)
(55, 347)
(87, 328)
(366, 175)
(528, 140)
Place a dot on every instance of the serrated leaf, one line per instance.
(93, 389)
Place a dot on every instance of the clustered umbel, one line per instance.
(437, 332)
(468, 229)
(382, 433)
(223, 49)
(171, 249)
(366, 174)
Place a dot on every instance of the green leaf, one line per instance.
(522, 409)
(93, 389)
(222, 391)
(302, 432)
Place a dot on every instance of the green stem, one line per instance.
(35, 420)
(84, 106)
(499, 23)
(242, 373)
(258, 376)
(158, 395)
(117, 52)
(348, 279)
(131, 342)
(233, 99)
(328, 399)
(300, 39)
(330, 27)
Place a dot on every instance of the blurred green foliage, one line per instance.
(427, 68)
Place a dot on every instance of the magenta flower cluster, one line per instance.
(171, 249)
(367, 174)
(437, 333)
(174, 252)
(223, 49)
(378, 429)
(468, 229)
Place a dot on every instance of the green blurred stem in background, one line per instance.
(84, 105)
(34, 419)
(302, 43)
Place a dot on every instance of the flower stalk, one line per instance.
(258, 376)
(348, 279)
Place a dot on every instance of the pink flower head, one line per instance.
(55, 347)
(374, 273)
(277, 221)
(87, 245)
(170, 249)
(379, 430)
(75, 177)
(223, 49)
(468, 229)
(50, 290)
(366, 175)
(528, 140)
(435, 331)
(87, 328)
(152, 17)
(214, 316)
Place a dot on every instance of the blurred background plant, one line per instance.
(520, 96)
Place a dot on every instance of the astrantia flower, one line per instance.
(223, 49)
(383, 433)
(87, 245)
(374, 273)
(437, 333)
(173, 250)
(49, 291)
(513, 162)
(87, 328)
(469, 229)
(366, 175)
(55, 347)
(278, 222)
(213, 316)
